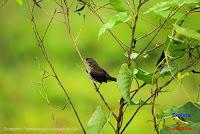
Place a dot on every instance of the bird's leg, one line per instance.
(99, 86)
(95, 86)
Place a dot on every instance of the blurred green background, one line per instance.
(21, 64)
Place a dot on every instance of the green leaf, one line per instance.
(166, 13)
(117, 4)
(20, 2)
(118, 18)
(177, 50)
(166, 70)
(189, 108)
(124, 81)
(181, 76)
(97, 122)
(135, 55)
(176, 40)
(161, 6)
(166, 5)
(187, 32)
(164, 8)
(182, 2)
(144, 76)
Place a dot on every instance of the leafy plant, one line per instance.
(182, 45)
(97, 121)
(118, 18)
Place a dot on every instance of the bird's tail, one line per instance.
(110, 78)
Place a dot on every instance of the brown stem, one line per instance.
(97, 90)
(120, 116)
(154, 115)
(153, 111)
(133, 40)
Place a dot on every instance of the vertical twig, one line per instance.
(133, 40)
(120, 116)
(153, 109)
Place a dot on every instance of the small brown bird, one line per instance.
(97, 73)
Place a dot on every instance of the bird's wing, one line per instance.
(109, 78)
(99, 76)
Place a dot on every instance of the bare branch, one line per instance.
(97, 90)
(44, 52)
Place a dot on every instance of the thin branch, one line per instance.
(104, 7)
(121, 44)
(111, 125)
(134, 93)
(3, 3)
(133, 40)
(68, 28)
(41, 45)
(98, 91)
(149, 33)
(144, 84)
(154, 48)
(171, 14)
(45, 97)
(130, 7)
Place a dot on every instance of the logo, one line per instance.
(180, 123)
